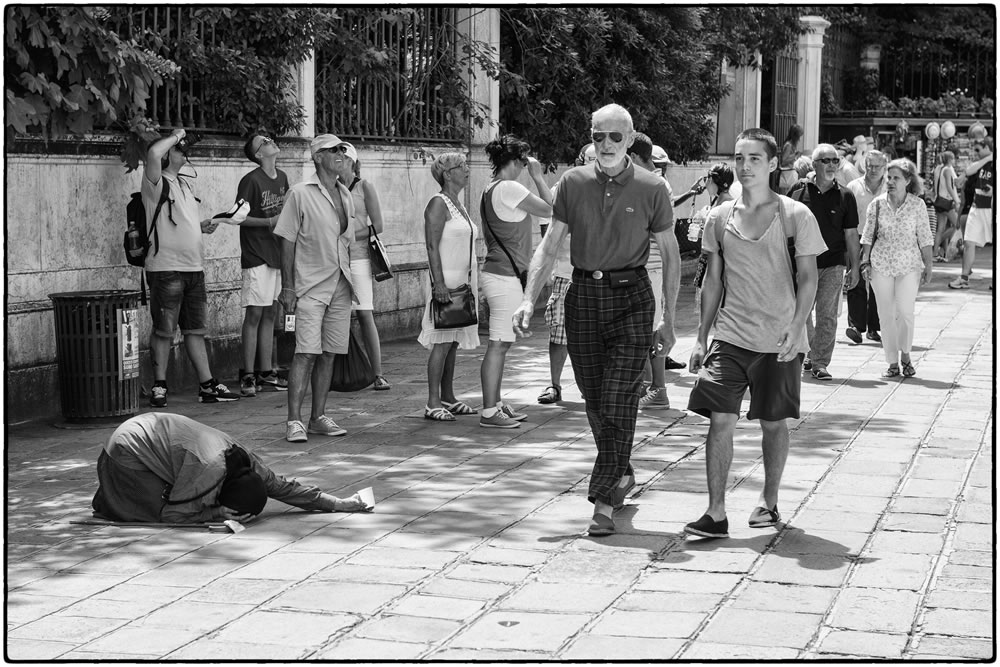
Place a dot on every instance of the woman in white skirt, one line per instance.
(506, 209)
(451, 239)
(367, 212)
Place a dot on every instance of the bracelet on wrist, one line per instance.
(287, 289)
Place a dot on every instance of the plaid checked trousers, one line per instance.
(609, 335)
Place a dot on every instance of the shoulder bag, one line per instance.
(461, 311)
(942, 204)
(381, 266)
(352, 371)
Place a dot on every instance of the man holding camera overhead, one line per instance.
(174, 270)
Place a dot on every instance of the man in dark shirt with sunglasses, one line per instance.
(174, 270)
(610, 209)
(836, 211)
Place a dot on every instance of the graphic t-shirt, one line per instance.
(987, 176)
(265, 196)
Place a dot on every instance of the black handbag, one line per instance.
(381, 266)
(942, 204)
(461, 311)
(352, 371)
(458, 313)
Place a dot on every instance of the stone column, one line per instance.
(810, 83)
(305, 90)
(483, 25)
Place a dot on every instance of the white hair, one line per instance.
(613, 110)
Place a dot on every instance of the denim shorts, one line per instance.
(177, 298)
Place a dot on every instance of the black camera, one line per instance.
(188, 141)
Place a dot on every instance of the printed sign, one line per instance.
(128, 341)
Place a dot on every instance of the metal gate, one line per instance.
(785, 94)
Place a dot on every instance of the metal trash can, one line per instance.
(97, 349)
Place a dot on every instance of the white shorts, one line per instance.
(324, 327)
(979, 226)
(504, 294)
(261, 286)
(361, 278)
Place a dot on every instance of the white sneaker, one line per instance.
(516, 416)
(959, 283)
(655, 399)
(498, 420)
(295, 431)
(323, 425)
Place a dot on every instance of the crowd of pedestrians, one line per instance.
(777, 255)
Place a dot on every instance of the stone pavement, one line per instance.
(477, 549)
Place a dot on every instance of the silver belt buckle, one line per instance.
(597, 275)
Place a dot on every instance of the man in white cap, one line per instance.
(316, 226)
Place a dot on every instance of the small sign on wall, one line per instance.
(128, 340)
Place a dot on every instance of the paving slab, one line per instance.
(521, 631)
(754, 627)
(958, 622)
(873, 644)
(597, 647)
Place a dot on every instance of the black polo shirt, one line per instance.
(610, 218)
(835, 210)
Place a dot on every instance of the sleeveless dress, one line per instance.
(456, 258)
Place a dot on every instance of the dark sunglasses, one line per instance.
(342, 148)
(827, 160)
(599, 137)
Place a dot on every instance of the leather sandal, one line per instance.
(459, 408)
(891, 372)
(438, 414)
(908, 369)
(552, 394)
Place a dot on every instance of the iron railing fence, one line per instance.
(409, 101)
(412, 100)
(933, 70)
(179, 102)
(840, 54)
(908, 70)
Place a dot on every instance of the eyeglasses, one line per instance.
(599, 137)
(341, 148)
(828, 160)
(458, 166)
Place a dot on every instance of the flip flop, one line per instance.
(459, 408)
(438, 414)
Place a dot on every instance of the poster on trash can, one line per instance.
(128, 339)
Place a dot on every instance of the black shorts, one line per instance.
(728, 370)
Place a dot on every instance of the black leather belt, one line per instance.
(615, 277)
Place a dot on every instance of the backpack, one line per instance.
(784, 212)
(135, 218)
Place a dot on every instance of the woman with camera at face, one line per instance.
(506, 209)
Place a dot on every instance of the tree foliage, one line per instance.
(67, 71)
(662, 63)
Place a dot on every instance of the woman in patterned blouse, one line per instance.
(896, 258)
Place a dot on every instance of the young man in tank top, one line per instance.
(760, 335)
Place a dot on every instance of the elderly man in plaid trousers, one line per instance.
(611, 210)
